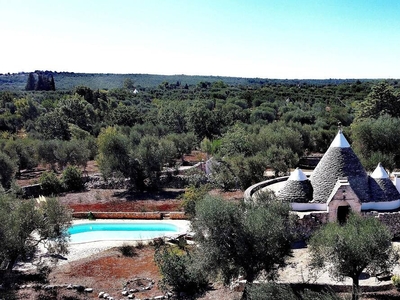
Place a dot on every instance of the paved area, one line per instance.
(298, 271)
(82, 250)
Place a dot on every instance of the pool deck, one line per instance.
(83, 250)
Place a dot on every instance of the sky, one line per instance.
(285, 39)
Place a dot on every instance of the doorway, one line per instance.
(342, 214)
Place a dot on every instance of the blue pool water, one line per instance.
(90, 232)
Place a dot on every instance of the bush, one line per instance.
(50, 184)
(127, 250)
(7, 170)
(192, 195)
(396, 281)
(180, 271)
(72, 179)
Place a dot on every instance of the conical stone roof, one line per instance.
(297, 188)
(339, 161)
(382, 188)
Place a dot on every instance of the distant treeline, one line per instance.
(70, 80)
(136, 126)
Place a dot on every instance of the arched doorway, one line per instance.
(342, 213)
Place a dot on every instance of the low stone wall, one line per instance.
(132, 215)
(120, 215)
(248, 193)
(30, 191)
(307, 224)
(390, 219)
(177, 216)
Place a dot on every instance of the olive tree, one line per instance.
(243, 239)
(7, 171)
(26, 224)
(180, 270)
(376, 140)
(362, 243)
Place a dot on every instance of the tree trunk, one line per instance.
(249, 281)
(11, 263)
(356, 288)
(245, 291)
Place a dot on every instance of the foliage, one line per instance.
(376, 140)
(23, 152)
(235, 141)
(19, 218)
(180, 271)
(184, 143)
(172, 115)
(113, 156)
(281, 159)
(63, 153)
(7, 171)
(153, 154)
(238, 171)
(53, 125)
(362, 243)
(72, 179)
(246, 239)
(275, 120)
(77, 111)
(222, 175)
(396, 280)
(382, 100)
(123, 115)
(201, 120)
(191, 196)
(49, 183)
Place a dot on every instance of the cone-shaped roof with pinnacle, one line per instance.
(382, 188)
(339, 161)
(297, 188)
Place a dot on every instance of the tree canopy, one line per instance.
(26, 224)
(242, 239)
(362, 243)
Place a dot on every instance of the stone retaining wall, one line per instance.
(390, 219)
(132, 215)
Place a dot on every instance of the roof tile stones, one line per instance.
(297, 188)
(381, 187)
(339, 161)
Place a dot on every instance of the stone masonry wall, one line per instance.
(390, 219)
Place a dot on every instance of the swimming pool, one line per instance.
(106, 231)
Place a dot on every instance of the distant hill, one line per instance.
(69, 80)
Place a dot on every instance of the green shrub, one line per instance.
(180, 270)
(49, 183)
(72, 178)
(192, 195)
(91, 216)
(396, 281)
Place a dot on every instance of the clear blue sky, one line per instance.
(265, 38)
